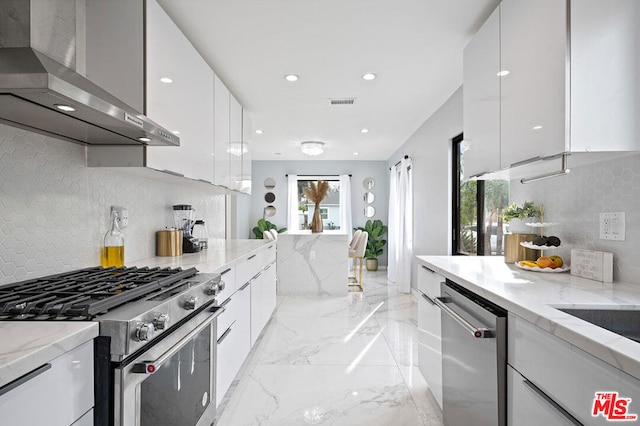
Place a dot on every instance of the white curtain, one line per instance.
(401, 225)
(345, 205)
(292, 203)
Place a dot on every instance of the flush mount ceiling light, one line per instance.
(291, 77)
(369, 76)
(312, 147)
(65, 108)
(237, 148)
(166, 80)
(503, 73)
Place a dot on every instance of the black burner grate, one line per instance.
(84, 293)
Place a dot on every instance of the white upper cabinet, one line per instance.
(185, 104)
(482, 99)
(247, 132)
(235, 147)
(533, 49)
(222, 126)
(570, 84)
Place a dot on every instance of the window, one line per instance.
(477, 202)
(329, 208)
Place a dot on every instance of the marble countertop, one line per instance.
(220, 254)
(28, 345)
(535, 296)
(317, 234)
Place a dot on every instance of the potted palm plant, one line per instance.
(376, 230)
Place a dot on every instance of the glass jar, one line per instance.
(113, 247)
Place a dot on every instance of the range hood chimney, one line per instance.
(42, 88)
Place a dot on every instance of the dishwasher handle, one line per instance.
(477, 332)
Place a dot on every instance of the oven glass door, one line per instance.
(178, 393)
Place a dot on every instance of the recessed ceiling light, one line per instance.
(145, 139)
(369, 76)
(537, 127)
(364, 130)
(259, 132)
(291, 77)
(503, 73)
(66, 108)
(277, 153)
(355, 153)
(176, 132)
(166, 80)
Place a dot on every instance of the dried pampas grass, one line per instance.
(316, 192)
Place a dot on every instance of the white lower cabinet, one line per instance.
(429, 331)
(528, 406)
(59, 395)
(234, 330)
(263, 300)
(563, 377)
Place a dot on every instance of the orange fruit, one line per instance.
(556, 262)
(544, 262)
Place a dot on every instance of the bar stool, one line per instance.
(356, 254)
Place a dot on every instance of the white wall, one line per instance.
(430, 150)
(359, 170)
(55, 210)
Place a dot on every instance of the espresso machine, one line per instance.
(184, 219)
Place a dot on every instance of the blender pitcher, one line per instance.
(183, 218)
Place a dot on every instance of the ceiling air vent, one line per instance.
(348, 101)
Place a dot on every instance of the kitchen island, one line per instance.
(313, 264)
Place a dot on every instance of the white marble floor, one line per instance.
(335, 361)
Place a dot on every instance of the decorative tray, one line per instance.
(564, 268)
(530, 245)
(541, 224)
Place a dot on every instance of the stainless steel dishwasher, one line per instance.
(474, 358)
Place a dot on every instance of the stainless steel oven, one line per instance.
(173, 382)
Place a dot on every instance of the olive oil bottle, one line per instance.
(113, 248)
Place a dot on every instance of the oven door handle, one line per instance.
(149, 367)
(477, 332)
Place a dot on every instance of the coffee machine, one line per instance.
(184, 219)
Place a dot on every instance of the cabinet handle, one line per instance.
(428, 269)
(225, 271)
(225, 334)
(256, 276)
(251, 257)
(551, 402)
(428, 299)
(245, 286)
(477, 175)
(225, 303)
(477, 332)
(24, 379)
(527, 161)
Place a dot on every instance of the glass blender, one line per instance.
(184, 219)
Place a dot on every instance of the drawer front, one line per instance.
(430, 346)
(568, 375)
(429, 281)
(58, 396)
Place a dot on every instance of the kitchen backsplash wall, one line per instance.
(55, 210)
(575, 201)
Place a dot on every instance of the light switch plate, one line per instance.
(612, 226)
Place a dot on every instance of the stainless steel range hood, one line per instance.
(38, 92)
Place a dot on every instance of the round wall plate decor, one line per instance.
(269, 197)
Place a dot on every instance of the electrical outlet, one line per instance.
(312, 255)
(123, 216)
(612, 226)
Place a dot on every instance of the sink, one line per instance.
(625, 322)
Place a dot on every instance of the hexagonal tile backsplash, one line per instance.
(575, 201)
(55, 210)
